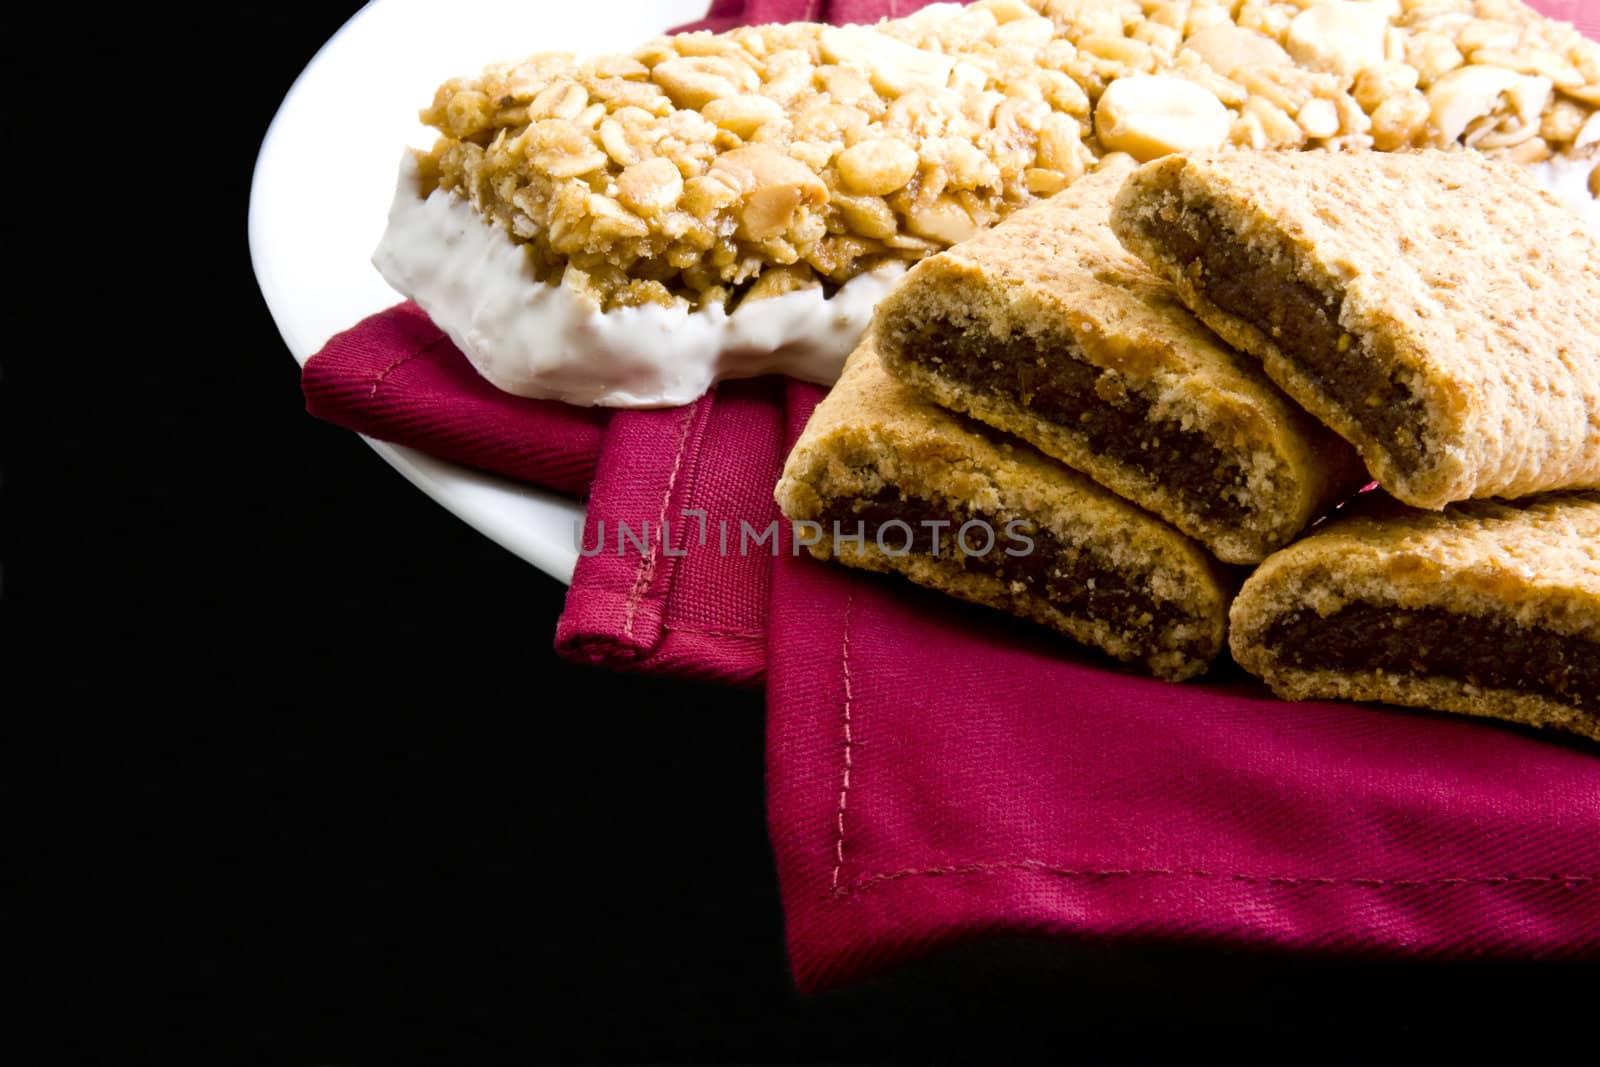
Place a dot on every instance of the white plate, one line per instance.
(325, 175)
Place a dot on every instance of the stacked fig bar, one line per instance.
(897, 483)
(1442, 315)
(1103, 415)
(1427, 319)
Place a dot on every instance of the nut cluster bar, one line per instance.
(705, 169)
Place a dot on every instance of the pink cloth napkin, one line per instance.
(939, 773)
(397, 377)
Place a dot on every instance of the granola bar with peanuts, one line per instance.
(709, 170)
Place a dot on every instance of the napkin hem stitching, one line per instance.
(647, 570)
(1040, 867)
(383, 376)
(678, 628)
(849, 697)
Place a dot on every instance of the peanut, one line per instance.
(1226, 48)
(877, 167)
(892, 66)
(651, 187)
(744, 114)
(1377, 84)
(693, 82)
(1318, 118)
(1341, 37)
(944, 220)
(1465, 94)
(1151, 115)
(1400, 120)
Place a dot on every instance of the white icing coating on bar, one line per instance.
(540, 340)
(534, 339)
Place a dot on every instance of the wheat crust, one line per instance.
(1536, 565)
(873, 432)
(1055, 275)
(1458, 276)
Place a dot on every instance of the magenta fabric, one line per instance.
(397, 377)
(939, 773)
(682, 595)
(726, 14)
(1584, 14)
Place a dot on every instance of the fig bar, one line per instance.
(1436, 309)
(1047, 328)
(1483, 608)
(897, 484)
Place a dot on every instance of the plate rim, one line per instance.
(536, 525)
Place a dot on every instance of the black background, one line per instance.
(292, 775)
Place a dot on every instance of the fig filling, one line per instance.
(1302, 319)
(1074, 580)
(1052, 383)
(1486, 652)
